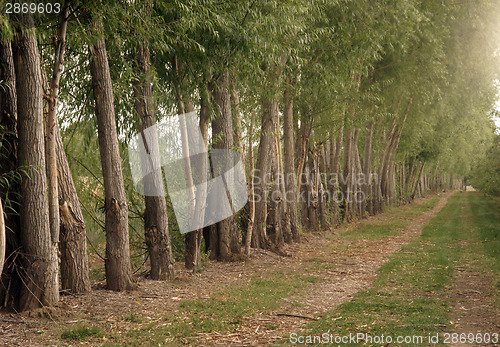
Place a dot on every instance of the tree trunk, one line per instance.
(156, 232)
(192, 256)
(67, 225)
(238, 140)
(357, 186)
(73, 232)
(384, 165)
(192, 240)
(51, 126)
(117, 263)
(414, 190)
(2, 238)
(348, 175)
(251, 199)
(40, 277)
(283, 203)
(288, 168)
(311, 200)
(388, 179)
(10, 279)
(222, 130)
(266, 144)
(367, 168)
(322, 193)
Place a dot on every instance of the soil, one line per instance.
(350, 266)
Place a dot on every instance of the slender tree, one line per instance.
(117, 264)
(227, 232)
(2, 238)
(155, 215)
(289, 160)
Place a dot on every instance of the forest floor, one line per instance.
(263, 300)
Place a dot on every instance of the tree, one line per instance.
(2, 238)
(67, 224)
(75, 274)
(155, 214)
(289, 160)
(40, 277)
(117, 262)
(227, 232)
(10, 281)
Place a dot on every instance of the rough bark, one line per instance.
(251, 201)
(192, 256)
(263, 166)
(40, 280)
(67, 225)
(228, 239)
(283, 203)
(51, 125)
(117, 263)
(311, 199)
(238, 140)
(156, 232)
(322, 193)
(367, 168)
(288, 167)
(2, 238)
(384, 166)
(73, 232)
(357, 186)
(348, 175)
(388, 182)
(192, 240)
(10, 280)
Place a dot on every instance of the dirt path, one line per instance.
(342, 266)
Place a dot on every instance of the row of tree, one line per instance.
(346, 106)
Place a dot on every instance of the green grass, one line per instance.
(223, 311)
(409, 295)
(132, 317)
(81, 332)
(486, 216)
(398, 218)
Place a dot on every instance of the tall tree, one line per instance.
(289, 159)
(155, 215)
(8, 152)
(2, 238)
(117, 262)
(222, 129)
(51, 125)
(40, 278)
(66, 219)
(75, 274)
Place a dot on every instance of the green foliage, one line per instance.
(486, 175)
(348, 62)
